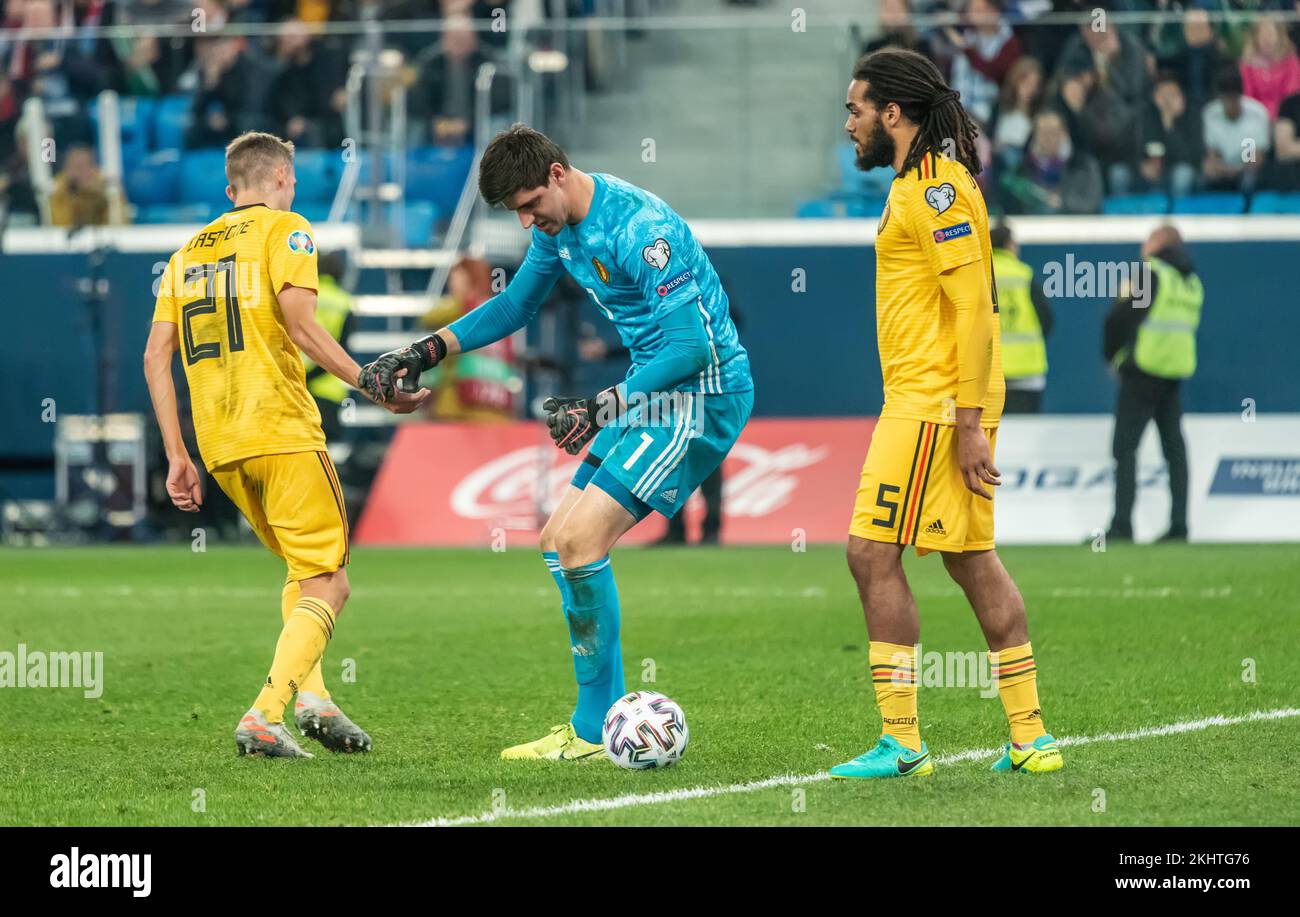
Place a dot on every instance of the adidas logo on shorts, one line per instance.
(669, 495)
(935, 528)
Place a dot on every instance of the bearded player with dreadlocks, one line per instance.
(931, 454)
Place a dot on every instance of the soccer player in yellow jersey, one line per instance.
(929, 469)
(238, 301)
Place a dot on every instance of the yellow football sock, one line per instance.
(299, 649)
(1017, 677)
(893, 675)
(314, 683)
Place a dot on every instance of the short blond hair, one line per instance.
(252, 156)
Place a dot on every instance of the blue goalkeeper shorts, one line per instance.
(657, 455)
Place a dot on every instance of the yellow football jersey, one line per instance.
(935, 220)
(248, 391)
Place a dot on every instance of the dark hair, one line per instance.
(1167, 76)
(1000, 236)
(518, 158)
(1010, 85)
(913, 82)
(1227, 80)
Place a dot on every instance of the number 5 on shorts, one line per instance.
(891, 505)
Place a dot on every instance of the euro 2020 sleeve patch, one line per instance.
(300, 243)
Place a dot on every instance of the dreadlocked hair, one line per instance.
(915, 84)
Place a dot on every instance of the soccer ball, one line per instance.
(645, 729)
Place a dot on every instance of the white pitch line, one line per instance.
(706, 792)
(1146, 732)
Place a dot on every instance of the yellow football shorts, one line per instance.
(295, 505)
(912, 491)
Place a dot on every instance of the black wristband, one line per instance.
(432, 351)
(605, 407)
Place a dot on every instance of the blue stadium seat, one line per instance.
(313, 212)
(203, 179)
(420, 219)
(1209, 203)
(1275, 202)
(318, 173)
(136, 117)
(171, 119)
(173, 213)
(818, 208)
(153, 179)
(438, 174)
(367, 166)
(840, 206)
(1136, 204)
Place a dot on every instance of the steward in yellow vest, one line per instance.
(1025, 314)
(1150, 341)
(334, 313)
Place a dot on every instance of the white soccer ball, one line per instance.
(645, 729)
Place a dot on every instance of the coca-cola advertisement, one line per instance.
(785, 480)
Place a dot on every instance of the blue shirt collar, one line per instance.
(597, 200)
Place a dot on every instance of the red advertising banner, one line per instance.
(473, 484)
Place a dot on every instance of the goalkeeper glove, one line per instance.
(378, 379)
(574, 422)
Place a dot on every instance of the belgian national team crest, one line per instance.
(601, 270)
(884, 219)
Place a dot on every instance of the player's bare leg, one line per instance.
(556, 520)
(332, 587)
(993, 596)
(887, 602)
(1000, 610)
(591, 528)
(577, 541)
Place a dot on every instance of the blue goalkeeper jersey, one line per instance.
(638, 261)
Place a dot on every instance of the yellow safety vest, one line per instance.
(333, 304)
(1166, 339)
(1023, 351)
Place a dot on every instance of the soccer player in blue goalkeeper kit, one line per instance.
(655, 436)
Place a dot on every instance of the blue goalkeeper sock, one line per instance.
(592, 610)
(552, 559)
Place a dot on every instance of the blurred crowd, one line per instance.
(1069, 115)
(1207, 100)
(291, 84)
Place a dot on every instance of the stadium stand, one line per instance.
(1107, 87)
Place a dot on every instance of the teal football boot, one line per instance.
(888, 759)
(1039, 757)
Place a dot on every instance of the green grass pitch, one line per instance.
(459, 653)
